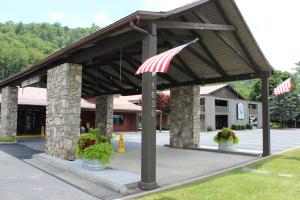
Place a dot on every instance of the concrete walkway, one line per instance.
(20, 181)
(176, 165)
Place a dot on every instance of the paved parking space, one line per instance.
(281, 139)
(252, 139)
(249, 140)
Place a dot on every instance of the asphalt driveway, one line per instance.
(281, 139)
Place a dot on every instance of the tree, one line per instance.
(162, 102)
(276, 78)
(296, 78)
(284, 107)
(22, 45)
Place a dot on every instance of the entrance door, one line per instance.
(221, 121)
(30, 121)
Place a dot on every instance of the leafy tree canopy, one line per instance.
(276, 78)
(22, 45)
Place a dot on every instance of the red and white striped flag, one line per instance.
(285, 86)
(161, 62)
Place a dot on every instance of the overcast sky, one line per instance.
(274, 23)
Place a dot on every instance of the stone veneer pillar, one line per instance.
(185, 117)
(63, 110)
(9, 112)
(104, 114)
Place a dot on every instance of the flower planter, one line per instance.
(93, 165)
(226, 146)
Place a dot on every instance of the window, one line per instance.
(118, 119)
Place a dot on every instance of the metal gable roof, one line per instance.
(219, 56)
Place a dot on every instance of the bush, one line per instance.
(226, 134)
(274, 125)
(234, 127)
(85, 141)
(93, 145)
(101, 152)
(209, 128)
(7, 139)
(249, 126)
(242, 127)
(165, 127)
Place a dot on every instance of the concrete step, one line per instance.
(108, 184)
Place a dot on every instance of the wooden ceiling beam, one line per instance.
(198, 55)
(223, 38)
(163, 76)
(107, 46)
(207, 51)
(183, 66)
(237, 36)
(95, 81)
(115, 68)
(193, 26)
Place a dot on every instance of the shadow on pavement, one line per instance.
(18, 150)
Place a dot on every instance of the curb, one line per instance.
(9, 142)
(236, 152)
(103, 180)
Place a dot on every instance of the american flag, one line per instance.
(161, 62)
(285, 86)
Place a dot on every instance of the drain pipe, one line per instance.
(136, 28)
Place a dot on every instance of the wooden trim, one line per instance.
(193, 26)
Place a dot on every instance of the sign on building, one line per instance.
(30, 81)
(240, 111)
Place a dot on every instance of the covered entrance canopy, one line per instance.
(225, 51)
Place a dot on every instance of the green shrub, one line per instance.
(7, 139)
(242, 127)
(209, 128)
(165, 127)
(101, 152)
(93, 145)
(85, 140)
(226, 134)
(234, 127)
(100, 138)
(249, 126)
(274, 125)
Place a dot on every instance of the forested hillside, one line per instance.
(22, 45)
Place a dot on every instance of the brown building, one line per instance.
(32, 112)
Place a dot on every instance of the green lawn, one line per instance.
(277, 178)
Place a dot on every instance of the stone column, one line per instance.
(185, 117)
(63, 110)
(104, 114)
(210, 112)
(9, 109)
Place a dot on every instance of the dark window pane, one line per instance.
(118, 119)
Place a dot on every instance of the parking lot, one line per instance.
(251, 140)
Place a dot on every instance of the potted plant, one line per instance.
(226, 138)
(94, 149)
